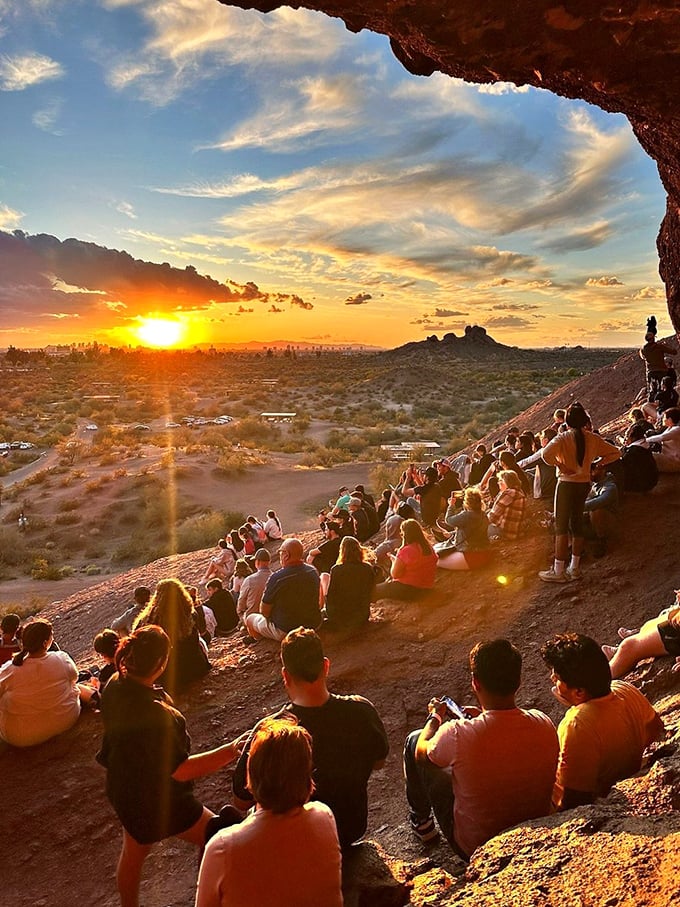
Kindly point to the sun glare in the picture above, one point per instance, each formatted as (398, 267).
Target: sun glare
(160, 332)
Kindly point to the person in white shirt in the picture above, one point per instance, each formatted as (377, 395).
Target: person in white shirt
(668, 460)
(254, 585)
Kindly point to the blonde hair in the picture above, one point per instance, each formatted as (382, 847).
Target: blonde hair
(472, 499)
(510, 478)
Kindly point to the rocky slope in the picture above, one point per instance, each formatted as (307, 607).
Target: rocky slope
(60, 838)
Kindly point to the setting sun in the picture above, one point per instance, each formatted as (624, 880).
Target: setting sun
(160, 332)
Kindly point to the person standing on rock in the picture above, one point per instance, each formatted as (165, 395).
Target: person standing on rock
(481, 770)
(654, 355)
(607, 726)
(573, 452)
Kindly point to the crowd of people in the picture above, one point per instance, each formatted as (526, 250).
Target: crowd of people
(300, 784)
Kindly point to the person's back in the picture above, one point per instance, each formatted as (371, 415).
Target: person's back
(348, 599)
(640, 471)
(349, 739)
(503, 772)
(607, 726)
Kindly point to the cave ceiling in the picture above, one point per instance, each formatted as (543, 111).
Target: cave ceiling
(623, 57)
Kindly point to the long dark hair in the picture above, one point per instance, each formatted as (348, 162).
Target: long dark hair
(34, 636)
(412, 533)
(577, 419)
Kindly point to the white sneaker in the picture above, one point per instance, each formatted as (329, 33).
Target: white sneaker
(573, 572)
(549, 576)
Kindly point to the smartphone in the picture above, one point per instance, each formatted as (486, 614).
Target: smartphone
(453, 708)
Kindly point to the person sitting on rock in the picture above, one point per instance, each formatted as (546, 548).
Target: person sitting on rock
(272, 526)
(668, 460)
(545, 475)
(427, 491)
(253, 586)
(221, 565)
(361, 527)
(348, 589)
(469, 545)
(123, 624)
(290, 598)
(657, 637)
(640, 472)
(326, 554)
(601, 506)
(481, 460)
(413, 566)
(481, 770)
(298, 838)
(349, 739)
(607, 726)
(653, 354)
(393, 534)
(221, 603)
(506, 515)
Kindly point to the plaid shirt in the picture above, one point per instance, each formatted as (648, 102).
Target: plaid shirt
(507, 512)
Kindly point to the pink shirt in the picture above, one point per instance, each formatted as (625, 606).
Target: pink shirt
(274, 860)
(503, 766)
(420, 568)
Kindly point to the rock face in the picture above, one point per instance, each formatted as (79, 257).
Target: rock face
(624, 57)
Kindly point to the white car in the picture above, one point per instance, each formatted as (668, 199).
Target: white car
(91, 427)
(26, 445)
(141, 427)
(172, 425)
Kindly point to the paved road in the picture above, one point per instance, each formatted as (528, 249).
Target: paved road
(46, 460)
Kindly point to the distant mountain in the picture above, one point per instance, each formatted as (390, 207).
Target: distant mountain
(284, 344)
(475, 343)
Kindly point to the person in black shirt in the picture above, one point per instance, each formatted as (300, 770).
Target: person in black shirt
(221, 603)
(348, 737)
(323, 557)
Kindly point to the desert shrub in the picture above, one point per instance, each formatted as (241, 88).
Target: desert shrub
(92, 570)
(203, 530)
(134, 550)
(66, 570)
(28, 609)
(236, 461)
(326, 456)
(93, 485)
(42, 569)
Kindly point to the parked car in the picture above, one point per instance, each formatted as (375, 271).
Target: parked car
(91, 427)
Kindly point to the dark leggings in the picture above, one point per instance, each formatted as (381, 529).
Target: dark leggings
(570, 498)
(399, 591)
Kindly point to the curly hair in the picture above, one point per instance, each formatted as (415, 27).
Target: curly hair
(170, 608)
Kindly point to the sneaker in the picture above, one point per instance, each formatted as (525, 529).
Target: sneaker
(573, 572)
(609, 651)
(425, 830)
(549, 576)
(624, 632)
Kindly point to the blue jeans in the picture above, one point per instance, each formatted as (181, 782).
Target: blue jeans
(428, 789)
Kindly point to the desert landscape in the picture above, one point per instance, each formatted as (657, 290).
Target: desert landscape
(620, 851)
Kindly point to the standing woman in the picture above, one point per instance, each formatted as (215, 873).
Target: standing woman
(39, 695)
(413, 566)
(172, 609)
(145, 751)
(572, 452)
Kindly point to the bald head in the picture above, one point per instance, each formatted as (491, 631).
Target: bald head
(291, 552)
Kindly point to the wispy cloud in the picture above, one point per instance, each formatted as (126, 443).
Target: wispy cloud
(358, 299)
(127, 209)
(22, 71)
(47, 117)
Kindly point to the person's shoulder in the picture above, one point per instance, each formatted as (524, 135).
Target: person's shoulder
(352, 703)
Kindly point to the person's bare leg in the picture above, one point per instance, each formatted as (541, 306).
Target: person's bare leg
(324, 583)
(454, 561)
(196, 834)
(645, 644)
(129, 871)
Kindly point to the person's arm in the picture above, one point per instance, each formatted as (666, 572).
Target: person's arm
(398, 566)
(211, 761)
(434, 721)
(530, 460)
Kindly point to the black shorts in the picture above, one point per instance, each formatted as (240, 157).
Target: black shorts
(670, 637)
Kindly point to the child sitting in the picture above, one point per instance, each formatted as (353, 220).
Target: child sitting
(105, 644)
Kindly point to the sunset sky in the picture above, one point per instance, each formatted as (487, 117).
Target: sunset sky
(329, 196)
